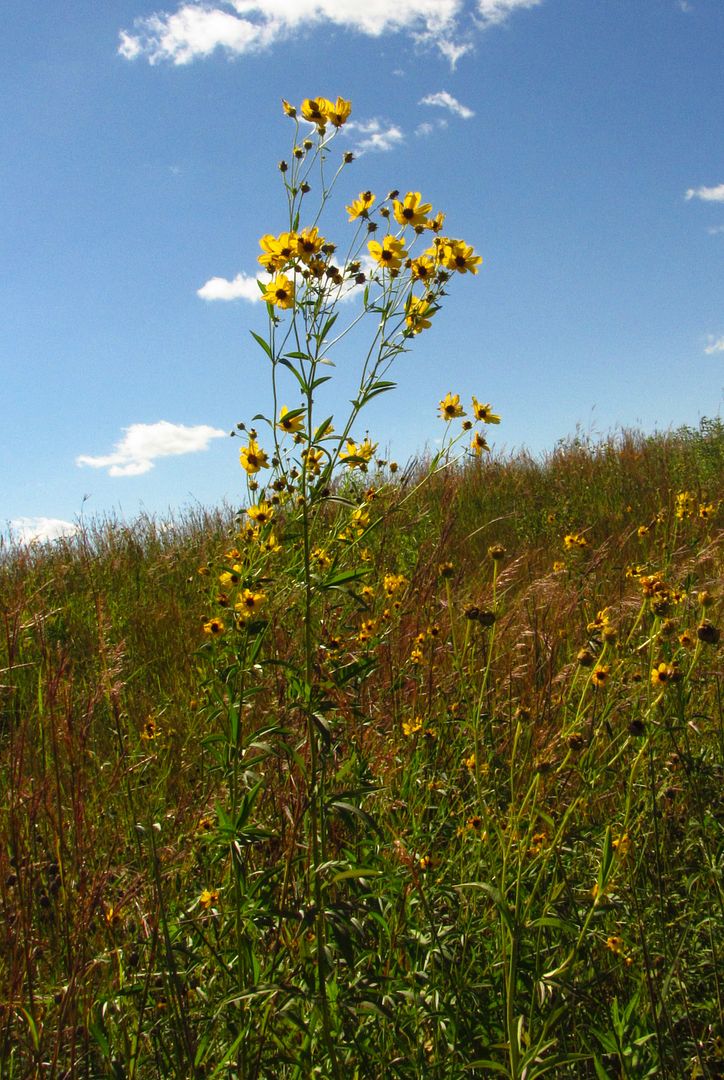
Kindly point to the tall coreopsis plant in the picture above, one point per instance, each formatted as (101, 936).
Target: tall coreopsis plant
(302, 549)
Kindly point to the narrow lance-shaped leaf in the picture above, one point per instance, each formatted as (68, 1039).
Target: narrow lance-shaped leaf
(260, 340)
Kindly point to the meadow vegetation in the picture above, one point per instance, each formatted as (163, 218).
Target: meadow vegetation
(394, 772)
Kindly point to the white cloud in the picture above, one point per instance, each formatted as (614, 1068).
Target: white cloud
(707, 194)
(715, 230)
(197, 28)
(494, 12)
(426, 128)
(444, 100)
(453, 50)
(374, 135)
(141, 444)
(33, 530)
(242, 287)
(716, 345)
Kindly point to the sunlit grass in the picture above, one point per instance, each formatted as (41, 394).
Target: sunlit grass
(516, 845)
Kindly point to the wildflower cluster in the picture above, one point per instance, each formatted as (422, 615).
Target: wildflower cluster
(290, 470)
(451, 408)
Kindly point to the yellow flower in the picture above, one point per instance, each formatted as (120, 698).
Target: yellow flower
(321, 558)
(277, 251)
(411, 211)
(230, 577)
(150, 730)
(599, 675)
(393, 582)
(213, 627)
(290, 422)
(336, 114)
(661, 675)
(361, 206)
(309, 242)
(615, 944)
(538, 843)
(422, 269)
(418, 314)
(411, 727)
(484, 413)
(450, 407)
(248, 604)
(478, 444)
(436, 223)
(622, 845)
(686, 504)
(360, 519)
(280, 292)
(366, 631)
(313, 460)
(358, 456)
(262, 513)
(314, 110)
(253, 458)
(208, 898)
(457, 255)
(112, 917)
(289, 109)
(389, 253)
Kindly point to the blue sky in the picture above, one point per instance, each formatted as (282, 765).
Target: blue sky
(577, 145)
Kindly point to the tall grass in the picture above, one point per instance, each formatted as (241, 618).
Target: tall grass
(520, 773)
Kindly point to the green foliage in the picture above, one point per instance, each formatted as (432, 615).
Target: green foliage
(159, 926)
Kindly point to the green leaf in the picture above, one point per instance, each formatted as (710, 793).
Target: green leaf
(260, 341)
(323, 427)
(348, 809)
(327, 327)
(95, 1029)
(373, 391)
(356, 872)
(485, 1063)
(297, 374)
(496, 896)
(319, 380)
(344, 578)
(358, 669)
(600, 1071)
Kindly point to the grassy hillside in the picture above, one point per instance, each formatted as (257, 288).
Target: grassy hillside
(452, 810)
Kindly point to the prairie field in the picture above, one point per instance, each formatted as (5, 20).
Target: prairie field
(429, 787)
